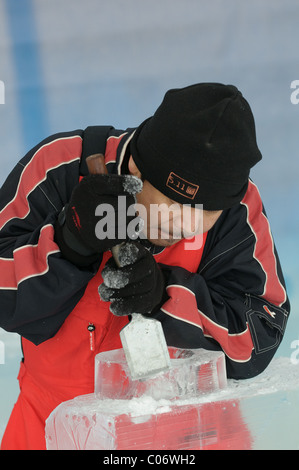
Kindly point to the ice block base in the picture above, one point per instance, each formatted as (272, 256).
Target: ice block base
(87, 423)
(243, 415)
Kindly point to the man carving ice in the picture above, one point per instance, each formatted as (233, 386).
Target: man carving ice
(227, 294)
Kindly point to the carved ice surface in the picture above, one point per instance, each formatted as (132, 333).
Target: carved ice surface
(259, 413)
(192, 372)
(139, 414)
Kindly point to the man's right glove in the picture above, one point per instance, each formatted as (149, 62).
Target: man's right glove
(137, 285)
(96, 219)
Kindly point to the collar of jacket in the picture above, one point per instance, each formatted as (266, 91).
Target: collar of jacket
(117, 151)
(113, 143)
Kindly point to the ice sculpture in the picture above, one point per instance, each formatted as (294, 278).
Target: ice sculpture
(192, 372)
(193, 407)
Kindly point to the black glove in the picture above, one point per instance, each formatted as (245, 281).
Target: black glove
(80, 233)
(137, 286)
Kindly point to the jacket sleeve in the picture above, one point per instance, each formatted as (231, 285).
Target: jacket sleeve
(38, 287)
(237, 302)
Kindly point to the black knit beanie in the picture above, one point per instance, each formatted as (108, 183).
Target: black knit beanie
(199, 146)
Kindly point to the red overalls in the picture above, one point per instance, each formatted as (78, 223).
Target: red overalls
(63, 367)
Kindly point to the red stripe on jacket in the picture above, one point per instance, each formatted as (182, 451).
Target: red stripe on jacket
(28, 260)
(183, 306)
(48, 157)
(111, 148)
(32, 260)
(274, 291)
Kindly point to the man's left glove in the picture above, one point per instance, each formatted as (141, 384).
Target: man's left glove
(137, 286)
(75, 230)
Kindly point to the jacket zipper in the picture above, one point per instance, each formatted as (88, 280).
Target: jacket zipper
(91, 328)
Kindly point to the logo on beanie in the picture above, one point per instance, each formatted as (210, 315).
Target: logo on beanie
(181, 186)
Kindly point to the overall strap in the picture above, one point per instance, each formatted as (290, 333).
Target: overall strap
(94, 141)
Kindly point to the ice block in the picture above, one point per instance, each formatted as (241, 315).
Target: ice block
(192, 372)
(87, 423)
(259, 413)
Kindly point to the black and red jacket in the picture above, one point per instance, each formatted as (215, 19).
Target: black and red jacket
(236, 300)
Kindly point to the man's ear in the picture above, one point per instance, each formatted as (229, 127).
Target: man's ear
(133, 168)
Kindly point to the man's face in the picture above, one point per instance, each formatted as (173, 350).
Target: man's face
(167, 222)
